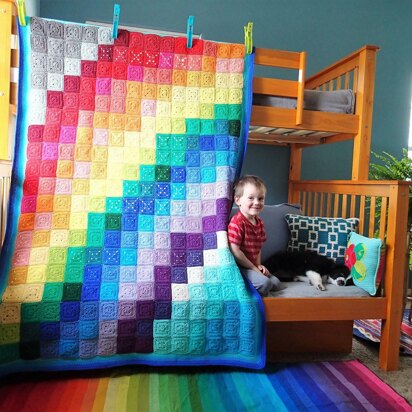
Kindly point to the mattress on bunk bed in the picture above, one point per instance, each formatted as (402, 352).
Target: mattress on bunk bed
(336, 101)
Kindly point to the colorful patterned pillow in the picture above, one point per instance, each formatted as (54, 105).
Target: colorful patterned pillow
(324, 235)
(365, 258)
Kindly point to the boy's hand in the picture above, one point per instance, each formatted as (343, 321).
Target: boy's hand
(264, 270)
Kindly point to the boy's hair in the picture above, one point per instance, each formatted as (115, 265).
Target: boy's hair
(247, 179)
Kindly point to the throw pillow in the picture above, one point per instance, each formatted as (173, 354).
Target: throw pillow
(324, 235)
(365, 258)
(277, 231)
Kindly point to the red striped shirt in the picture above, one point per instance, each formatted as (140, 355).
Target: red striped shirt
(247, 236)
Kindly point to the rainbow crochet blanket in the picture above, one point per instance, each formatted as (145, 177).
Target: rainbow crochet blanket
(116, 248)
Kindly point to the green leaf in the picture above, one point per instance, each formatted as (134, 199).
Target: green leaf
(360, 250)
(359, 271)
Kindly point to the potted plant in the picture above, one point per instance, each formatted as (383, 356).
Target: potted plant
(392, 168)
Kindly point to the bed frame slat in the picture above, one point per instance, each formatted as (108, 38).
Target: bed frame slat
(362, 212)
(275, 87)
(336, 206)
(277, 58)
(372, 216)
(344, 206)
(312, 120)
(383, 217)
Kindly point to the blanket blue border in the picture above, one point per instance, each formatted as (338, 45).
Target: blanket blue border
(247, 108)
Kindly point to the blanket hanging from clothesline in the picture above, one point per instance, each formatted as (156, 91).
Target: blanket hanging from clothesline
(116, 249)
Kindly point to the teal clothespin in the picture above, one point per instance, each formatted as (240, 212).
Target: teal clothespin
(21, 11)
(190, 22)
(116, 16)
(249, 37)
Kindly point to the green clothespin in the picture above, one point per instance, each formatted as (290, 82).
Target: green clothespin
(21, 11)
(249, 37)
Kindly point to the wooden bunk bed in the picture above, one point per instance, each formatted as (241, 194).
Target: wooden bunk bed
(325, 324)
(304, 324)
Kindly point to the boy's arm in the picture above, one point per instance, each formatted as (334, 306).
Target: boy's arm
(241, 258)
(261, 268)
(259, 258)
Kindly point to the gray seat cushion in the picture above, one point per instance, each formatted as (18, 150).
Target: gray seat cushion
(277, 239)
(304, 290)
(277, 229)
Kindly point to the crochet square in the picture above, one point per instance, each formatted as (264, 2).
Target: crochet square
(179, 275)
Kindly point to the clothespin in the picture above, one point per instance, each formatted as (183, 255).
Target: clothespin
(21, 11)
(116, 16)
(190, 22)
(249, 37)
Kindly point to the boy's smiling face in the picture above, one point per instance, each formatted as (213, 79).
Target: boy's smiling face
(252, 201)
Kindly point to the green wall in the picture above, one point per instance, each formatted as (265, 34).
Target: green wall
(326, 29)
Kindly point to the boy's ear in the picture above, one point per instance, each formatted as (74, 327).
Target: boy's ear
(236, 199)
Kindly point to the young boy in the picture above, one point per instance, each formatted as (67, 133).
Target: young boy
(246, 233)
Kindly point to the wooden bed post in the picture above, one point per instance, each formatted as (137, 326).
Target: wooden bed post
(394, 284)
(301, 88)
(8, 98)
(295, 166)
(364, 107)
(6, 9)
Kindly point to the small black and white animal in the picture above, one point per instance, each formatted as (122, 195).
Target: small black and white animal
(308, 266)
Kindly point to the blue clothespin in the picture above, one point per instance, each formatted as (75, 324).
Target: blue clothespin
(21, 11)
(190, 22)
(116, 16)
(249, 37)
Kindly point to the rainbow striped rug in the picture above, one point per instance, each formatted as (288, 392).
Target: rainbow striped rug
(116, 249)
(323, 386)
